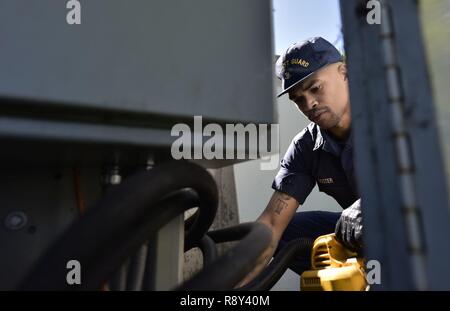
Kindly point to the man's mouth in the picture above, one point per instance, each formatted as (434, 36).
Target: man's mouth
(315, 116)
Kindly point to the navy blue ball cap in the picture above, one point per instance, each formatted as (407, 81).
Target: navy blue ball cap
(303, 59)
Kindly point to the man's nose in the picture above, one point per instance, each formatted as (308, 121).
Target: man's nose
(311, 102)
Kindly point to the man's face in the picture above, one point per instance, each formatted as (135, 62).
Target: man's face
(324, 96)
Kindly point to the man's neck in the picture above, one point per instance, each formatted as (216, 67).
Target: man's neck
(340, 134)
(342, 130)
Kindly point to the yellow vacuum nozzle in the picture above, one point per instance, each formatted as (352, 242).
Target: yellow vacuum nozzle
(334, 268)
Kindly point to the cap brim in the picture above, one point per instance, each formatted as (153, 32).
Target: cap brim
(296, 83)
(306, 77)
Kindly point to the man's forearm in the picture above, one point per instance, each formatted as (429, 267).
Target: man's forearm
(261, 263)
(276, 216)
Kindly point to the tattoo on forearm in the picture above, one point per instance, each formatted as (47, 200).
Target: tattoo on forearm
(280, 205)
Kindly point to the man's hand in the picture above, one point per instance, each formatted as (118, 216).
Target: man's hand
(349, 227)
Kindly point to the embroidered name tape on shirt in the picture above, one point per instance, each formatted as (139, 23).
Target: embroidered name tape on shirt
(325, 180)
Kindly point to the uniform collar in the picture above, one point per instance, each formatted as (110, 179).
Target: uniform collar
(327, 142)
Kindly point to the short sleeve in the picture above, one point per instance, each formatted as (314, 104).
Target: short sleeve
(294, 177)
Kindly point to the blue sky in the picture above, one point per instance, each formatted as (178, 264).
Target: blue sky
(296, 20)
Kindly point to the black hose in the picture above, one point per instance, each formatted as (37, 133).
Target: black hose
(136, 269)
(275, 270)
(122, 221)
(209, 250)
(170, 207)
(236, 263)
(229, 234)
(149, 281)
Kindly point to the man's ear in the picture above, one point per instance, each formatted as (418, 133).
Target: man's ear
(342, 69)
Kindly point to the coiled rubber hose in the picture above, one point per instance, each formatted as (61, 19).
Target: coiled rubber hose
(127, 216)
(225, 272)
(280, 263)
(277, 267)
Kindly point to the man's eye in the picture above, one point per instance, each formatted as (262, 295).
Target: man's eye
(316, 88)
(300, 102)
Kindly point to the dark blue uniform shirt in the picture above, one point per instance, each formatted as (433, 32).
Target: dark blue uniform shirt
(314, 156)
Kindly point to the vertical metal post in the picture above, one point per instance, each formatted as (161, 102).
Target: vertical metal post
(430, 183)
(165, 254)
(397, 154)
